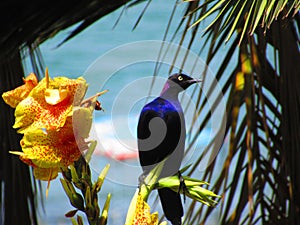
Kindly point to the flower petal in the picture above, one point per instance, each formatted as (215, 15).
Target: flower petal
(82, 122)
(45, 174)
(55, 96)
(14, 97)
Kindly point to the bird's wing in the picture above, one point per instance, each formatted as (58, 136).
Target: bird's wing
(158, 134)
(143, 130)
(147, 136)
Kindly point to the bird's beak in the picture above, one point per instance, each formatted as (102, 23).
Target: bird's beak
(195, 81)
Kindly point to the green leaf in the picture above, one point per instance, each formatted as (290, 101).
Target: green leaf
(185, 168)
(104, 215)
(88, 197)
(260, 8)
(74, 175)
(280, 5)
(229, 18)
(237, 19)
(68, 187)
(74, 222)
(220, 15)
(97, 186)
(212, 10)
(245, 26)
(267, 22)
(77, 201)
(90, 151)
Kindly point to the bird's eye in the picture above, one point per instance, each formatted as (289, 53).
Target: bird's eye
(180, 78)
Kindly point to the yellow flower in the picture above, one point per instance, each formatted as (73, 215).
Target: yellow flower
(54, 124)
(139, 212)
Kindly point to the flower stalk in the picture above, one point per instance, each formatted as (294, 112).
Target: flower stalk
(78, 177)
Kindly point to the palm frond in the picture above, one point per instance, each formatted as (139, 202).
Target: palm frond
(247, 15)
(26, 23)
(17, 186)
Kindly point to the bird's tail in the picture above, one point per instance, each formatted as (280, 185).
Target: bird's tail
(171, 204)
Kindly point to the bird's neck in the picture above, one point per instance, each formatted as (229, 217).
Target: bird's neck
(169, 93)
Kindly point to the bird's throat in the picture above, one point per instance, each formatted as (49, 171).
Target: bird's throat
(169, 93)
(165, 88)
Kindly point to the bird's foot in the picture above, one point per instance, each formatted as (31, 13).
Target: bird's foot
(182, 186)
(142, 179)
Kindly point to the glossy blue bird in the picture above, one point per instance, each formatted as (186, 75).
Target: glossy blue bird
(161, 135)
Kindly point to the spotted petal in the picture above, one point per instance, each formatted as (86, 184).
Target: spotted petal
(14, 97)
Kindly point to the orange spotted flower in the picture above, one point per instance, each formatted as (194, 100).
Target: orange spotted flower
(54, 124)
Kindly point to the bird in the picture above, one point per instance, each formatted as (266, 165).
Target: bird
(161, 136)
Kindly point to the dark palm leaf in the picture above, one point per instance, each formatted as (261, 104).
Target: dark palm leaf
(17, 189)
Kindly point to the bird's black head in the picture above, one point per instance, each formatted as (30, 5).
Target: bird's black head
(179, 82)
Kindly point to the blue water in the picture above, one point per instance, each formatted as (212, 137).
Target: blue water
(128, 91)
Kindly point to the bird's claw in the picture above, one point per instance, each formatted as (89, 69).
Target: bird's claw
(182, 186)
(142, 179)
